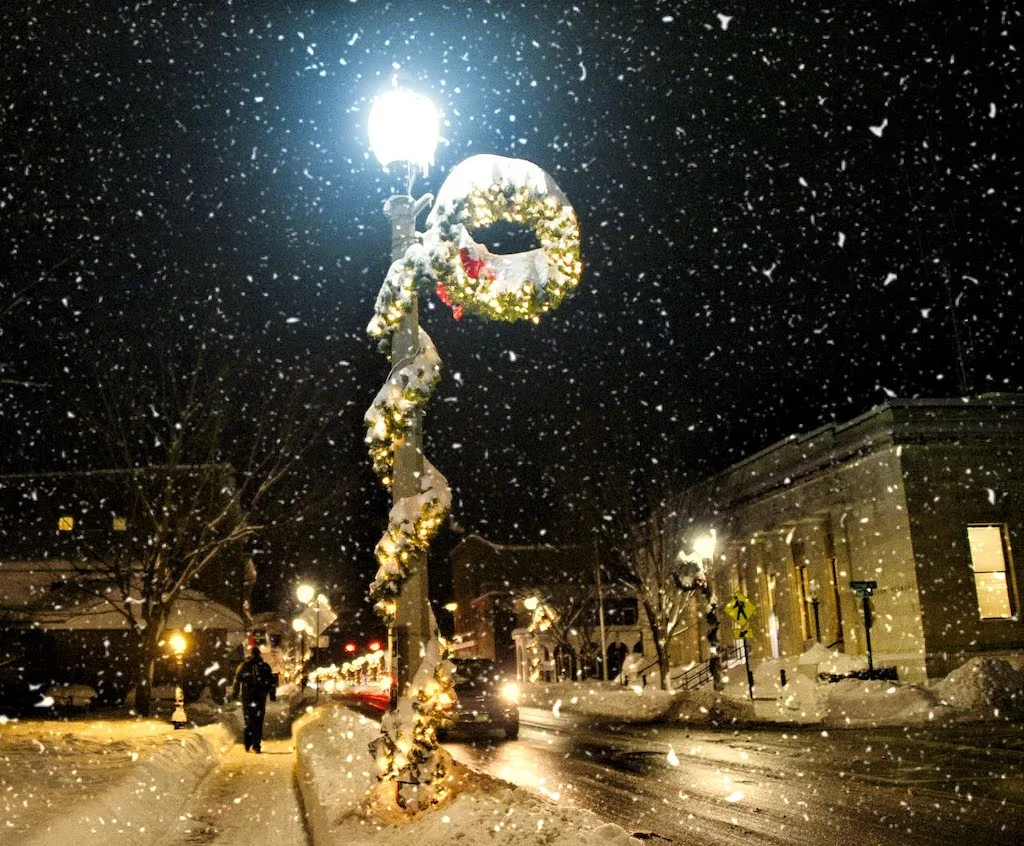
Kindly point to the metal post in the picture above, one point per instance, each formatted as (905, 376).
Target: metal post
(746, 663)
(413, 613)
(316, 650)
(817, 620)
(600, 615)
(867, 629)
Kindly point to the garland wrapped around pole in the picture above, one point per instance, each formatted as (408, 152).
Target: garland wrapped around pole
(469, 279)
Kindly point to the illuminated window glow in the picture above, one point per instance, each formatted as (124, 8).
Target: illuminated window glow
(989, 556)
(65, 523)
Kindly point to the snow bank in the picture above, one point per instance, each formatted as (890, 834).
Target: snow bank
(853, 702)
(335, 773)
(985, 687)
(142, 801)
(601, 700)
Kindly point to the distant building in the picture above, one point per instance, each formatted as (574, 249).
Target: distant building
(62, 611)
(493, 588)
(924, 498)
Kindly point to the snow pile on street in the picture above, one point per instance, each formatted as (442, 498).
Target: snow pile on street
(601, 700)
(336, 775)
(984, 686)
(855, 702)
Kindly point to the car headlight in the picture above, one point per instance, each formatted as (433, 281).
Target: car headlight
(510, 692)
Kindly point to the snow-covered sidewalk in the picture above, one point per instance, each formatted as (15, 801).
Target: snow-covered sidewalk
(248, 798)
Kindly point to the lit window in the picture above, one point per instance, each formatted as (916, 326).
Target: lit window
(120, 524)
(991, 579)
(65, 523)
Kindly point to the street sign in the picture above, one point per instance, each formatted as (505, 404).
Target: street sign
(740, 634)
(740, 609)
(863, 588)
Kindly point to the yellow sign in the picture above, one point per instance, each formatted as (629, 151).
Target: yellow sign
(740, 634)
(740, 609)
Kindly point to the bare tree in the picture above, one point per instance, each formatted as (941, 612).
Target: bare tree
(564, 610)
(650, 555)
(196, 477)
(640, 542)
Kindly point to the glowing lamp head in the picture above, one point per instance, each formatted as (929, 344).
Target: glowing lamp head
(177, 643)
(704, 546)
(299, 625)
(305, 593)
(531, 603)
(404, 126)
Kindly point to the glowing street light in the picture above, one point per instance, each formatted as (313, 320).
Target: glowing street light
(308, 596)
(178, 644)
(704, 546)
(468, 278)
(404, 126)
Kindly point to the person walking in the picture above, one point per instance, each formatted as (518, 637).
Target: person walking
(254, 681)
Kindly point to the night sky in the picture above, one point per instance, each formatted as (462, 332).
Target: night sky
(790, 212)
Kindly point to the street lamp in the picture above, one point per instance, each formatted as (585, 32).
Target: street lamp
(307, 595)
(467, 277)
(299, 627)
(704, 546)
(178, 644)
(404, 126)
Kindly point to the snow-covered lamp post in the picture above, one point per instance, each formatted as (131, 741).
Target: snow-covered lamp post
(404, 127)
(482, 190)
(178, 644)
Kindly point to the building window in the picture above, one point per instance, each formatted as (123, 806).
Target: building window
(119, 524)
(65, 523)
(620, 611)
(989, 560)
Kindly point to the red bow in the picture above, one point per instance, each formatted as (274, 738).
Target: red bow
(443, 296)
(475, 268)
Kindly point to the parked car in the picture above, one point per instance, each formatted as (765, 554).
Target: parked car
(487, 701)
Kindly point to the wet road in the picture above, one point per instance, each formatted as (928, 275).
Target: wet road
(777, 785)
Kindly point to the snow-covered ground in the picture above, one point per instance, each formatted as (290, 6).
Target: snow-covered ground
(132, 781)
(982, 689)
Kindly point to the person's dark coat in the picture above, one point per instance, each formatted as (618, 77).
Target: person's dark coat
(254, 682)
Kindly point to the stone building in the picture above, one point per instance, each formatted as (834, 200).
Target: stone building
(925, 498)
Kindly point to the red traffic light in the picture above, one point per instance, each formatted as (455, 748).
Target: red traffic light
(374, 646)
(350, 647)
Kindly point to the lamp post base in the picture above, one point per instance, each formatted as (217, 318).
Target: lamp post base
(179, 718)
